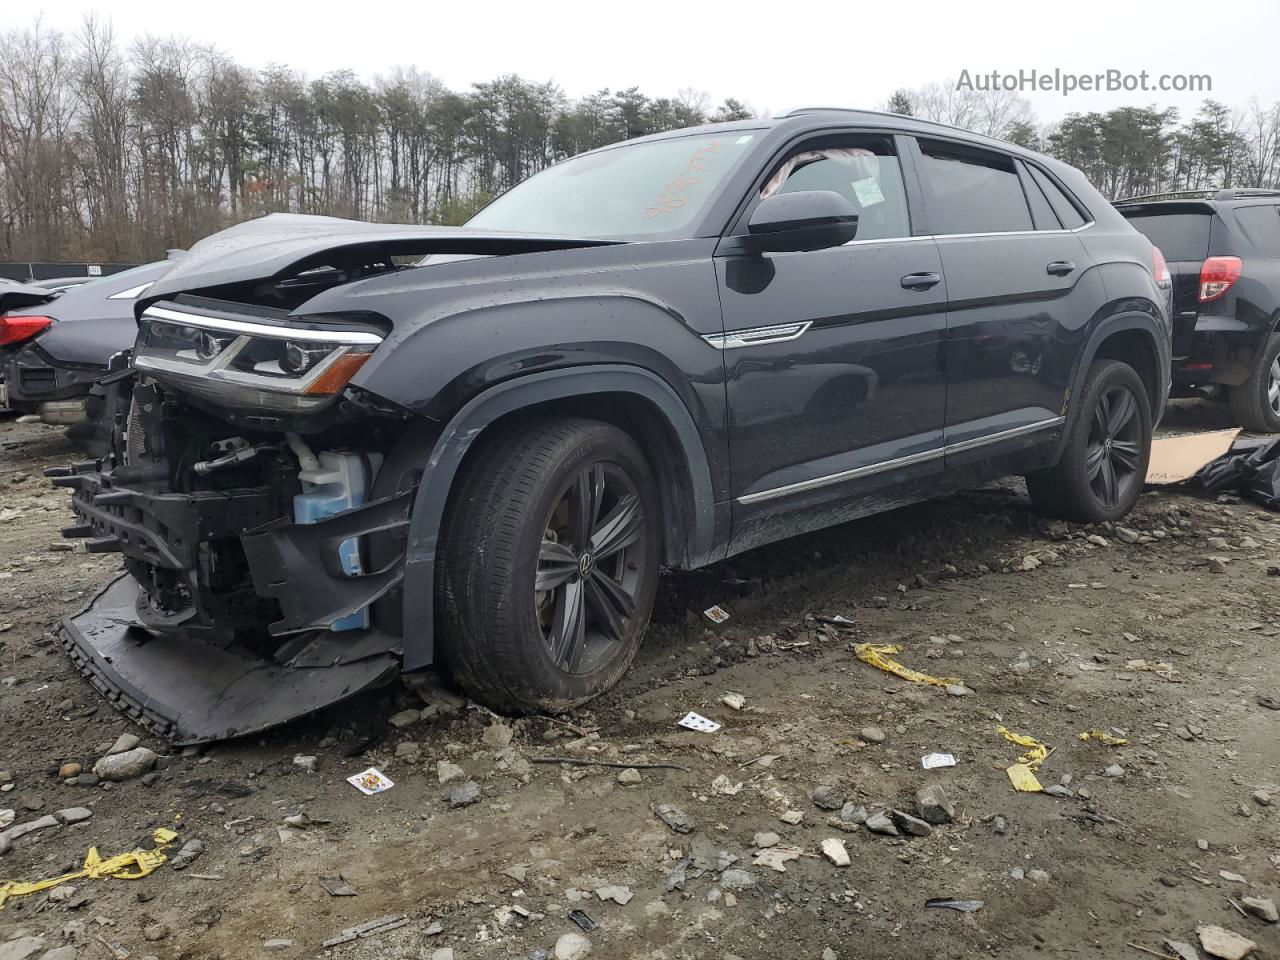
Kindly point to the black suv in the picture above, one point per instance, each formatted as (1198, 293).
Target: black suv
(660, 353)
(1223, 249)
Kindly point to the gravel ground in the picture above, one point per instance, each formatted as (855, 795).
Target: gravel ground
(1161, 633)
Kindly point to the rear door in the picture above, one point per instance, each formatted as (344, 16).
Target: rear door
(1182, 232)
(1019, 291)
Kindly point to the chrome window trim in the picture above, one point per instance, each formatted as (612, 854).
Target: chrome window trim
(898, 462)
(249, 328)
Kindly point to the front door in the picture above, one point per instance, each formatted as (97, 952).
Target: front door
(834, 358)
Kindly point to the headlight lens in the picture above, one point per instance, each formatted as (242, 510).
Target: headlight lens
(299, 357)
(251, 363)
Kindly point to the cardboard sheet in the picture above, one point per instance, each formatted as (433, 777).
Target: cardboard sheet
(1174, 459)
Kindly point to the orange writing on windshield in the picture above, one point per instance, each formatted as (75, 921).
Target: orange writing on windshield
(672, 196)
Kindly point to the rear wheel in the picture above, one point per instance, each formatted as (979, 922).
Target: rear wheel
(1255, 404)
(550, 564)
(1104, 465)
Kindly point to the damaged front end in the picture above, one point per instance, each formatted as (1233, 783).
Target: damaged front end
(261, 507)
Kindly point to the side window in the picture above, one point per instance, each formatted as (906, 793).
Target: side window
(1065, 209)
(973, 191)
(1041, 209)
(1262, 224)
(865, 171)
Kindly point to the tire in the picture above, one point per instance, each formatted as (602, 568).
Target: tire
(514, 525)
(1255, 404)
(1104, 464)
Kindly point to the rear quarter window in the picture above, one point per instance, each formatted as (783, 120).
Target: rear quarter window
(1180, 236)
(1261, 224)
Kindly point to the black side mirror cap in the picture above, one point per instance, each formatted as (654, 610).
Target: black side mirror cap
(804, 220)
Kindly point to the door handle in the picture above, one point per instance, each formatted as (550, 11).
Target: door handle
(920, 281)
(1060, 268)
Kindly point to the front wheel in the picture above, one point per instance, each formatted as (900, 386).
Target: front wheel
(550, 564)
(1255, 404)
(1104, 464)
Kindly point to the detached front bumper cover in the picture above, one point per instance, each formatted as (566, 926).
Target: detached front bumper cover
(189, 685)
(189, 691)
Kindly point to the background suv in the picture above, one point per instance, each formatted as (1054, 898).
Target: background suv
(1223, 249)
(663, 352)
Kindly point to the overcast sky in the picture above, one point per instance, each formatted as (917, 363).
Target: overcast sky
(773, 56)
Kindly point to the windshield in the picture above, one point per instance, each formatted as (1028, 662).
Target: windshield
(640, 189)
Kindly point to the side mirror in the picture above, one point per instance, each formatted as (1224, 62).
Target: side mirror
(804, 220)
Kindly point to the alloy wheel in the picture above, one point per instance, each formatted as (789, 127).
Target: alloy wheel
(1114, 451)
(590, 564)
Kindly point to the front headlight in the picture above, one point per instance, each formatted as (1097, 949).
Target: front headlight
(289, 367)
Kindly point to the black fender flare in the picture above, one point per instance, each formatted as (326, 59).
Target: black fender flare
(1104, 328)
(703, 537)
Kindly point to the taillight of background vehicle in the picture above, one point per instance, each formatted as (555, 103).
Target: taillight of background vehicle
(1217, 274)
(15, 329)
(1160, 268)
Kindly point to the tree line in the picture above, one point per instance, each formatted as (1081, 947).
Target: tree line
(116, 152)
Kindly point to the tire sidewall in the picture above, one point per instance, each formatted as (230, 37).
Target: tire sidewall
(1113, 374)
(546, 681)
(1260, 381)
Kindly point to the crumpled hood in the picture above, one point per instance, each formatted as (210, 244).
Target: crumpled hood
(15, 296)
(269, 246)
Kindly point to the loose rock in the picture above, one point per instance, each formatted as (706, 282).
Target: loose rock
(1226, 944)
(871, 735)
(675, 818)
(908, 824)
(23, 948)
(828, 797)
(125, 766)
(464, 795)
(880, 823)
(446, 771)
(124, 743)
(405, 718)
(1264, 908)
(572, 946)
(629, 777)
(619, 894)
(497, 736)
(933, 806)
(833, 849)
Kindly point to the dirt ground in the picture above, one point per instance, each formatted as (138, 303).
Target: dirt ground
(1041, 624)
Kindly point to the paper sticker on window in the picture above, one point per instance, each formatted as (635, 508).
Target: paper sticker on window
(868, 191)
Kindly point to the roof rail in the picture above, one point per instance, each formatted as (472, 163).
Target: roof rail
(1167, 195)
(1230, 193)
(1239, 193)
(800, 111)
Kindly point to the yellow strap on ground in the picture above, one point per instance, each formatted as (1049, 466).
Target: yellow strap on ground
(133, 865)
(878, 655)
(1103, 737)
(1023, 773)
